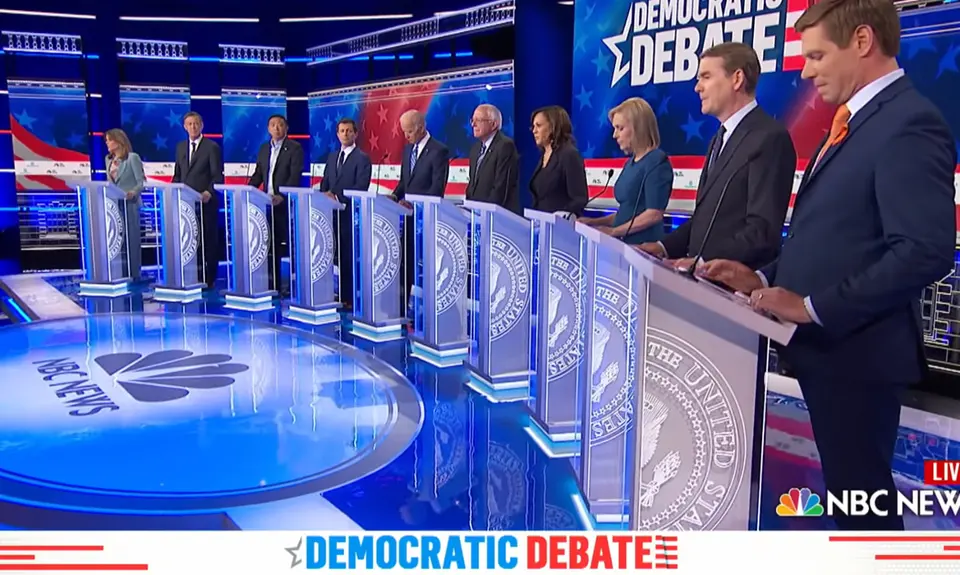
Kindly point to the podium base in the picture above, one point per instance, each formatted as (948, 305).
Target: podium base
(243, 302)
(500, 389)
(553, 445)
(450, 355)
(98, 289)
(314, 316)
(377, 333)
(184, 294)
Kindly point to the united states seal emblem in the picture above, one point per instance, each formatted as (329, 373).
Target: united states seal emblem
(386, 254)
(259, 238)
(189, 232)
(509, 285)
(691, 463)
(321, 245)
(451, 254)
(564, 315)
(613, 370)
(506, 492)
(114, 229)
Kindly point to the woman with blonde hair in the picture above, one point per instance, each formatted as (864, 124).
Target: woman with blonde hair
(125, 170)
(644, 185)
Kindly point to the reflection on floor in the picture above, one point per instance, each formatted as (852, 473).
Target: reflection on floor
(257, 443)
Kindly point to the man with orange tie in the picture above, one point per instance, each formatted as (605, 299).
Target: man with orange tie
(873, 224)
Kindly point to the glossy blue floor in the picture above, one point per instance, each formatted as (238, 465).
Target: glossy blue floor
(133, 414)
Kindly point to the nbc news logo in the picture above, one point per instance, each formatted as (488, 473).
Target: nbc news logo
(169, 375)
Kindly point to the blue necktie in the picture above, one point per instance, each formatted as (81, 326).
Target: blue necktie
(413, 158)
(483, 152)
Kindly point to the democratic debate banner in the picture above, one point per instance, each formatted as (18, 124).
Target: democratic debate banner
(48, 122)
(246, 113)
(447, 100)
(152, 117)
(650, 49)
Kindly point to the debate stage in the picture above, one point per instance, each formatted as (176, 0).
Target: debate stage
(128, 413)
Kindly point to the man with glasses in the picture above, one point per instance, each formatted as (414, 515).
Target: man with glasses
(494, 161)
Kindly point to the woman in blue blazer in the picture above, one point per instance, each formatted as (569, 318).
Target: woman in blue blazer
(125, 170)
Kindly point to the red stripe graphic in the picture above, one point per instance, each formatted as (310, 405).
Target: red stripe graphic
(917, 557)
(71, 567)
(51, 547)
(894, 539)
(17, 557)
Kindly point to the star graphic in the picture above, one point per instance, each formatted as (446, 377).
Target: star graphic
(373, 142)
(917, 45)
(622, 65)
(327, 123)
(588, 151)
(74, 140)
(125, 117)
(25, 120)
(317, 140)
(692, 128)
(602, 62)
(382, 114)
(603, 119)
(663, 108)
(395, 132)
(581, 44)
(588, 12)
(173, 118)
(295, 553)
(160, 142)
(948, 63)
(584, 97)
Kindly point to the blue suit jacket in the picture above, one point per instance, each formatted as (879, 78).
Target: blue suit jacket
(354, 174)
(873, 224)
(429, 176)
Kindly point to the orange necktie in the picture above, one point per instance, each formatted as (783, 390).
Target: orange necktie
(838, 131)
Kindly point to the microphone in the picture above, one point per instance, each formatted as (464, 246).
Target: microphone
(716, 210)
(609, 177)
(379, 164)
(636, 205)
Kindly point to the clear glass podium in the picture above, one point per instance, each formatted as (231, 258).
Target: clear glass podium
(250, 247)
(311, 256)
(104, 244)
(179, 227)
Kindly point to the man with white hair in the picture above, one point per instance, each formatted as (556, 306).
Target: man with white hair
(425, 163)
(494, 161)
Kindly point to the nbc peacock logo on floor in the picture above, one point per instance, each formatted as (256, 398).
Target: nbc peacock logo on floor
(170, 374)
(799, 503)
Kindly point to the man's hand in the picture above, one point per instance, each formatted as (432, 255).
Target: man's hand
(782, 303)
(734, 274)
(652, 248)
(131, 195)
(681, 263)
(605, 229)
(277, 199)
(406, 204)
(205, 196)
(332, 196)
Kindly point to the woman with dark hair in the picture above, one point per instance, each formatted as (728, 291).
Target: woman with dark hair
(125, 170)
(559, 184)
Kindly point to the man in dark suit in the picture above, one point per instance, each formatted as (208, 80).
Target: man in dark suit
(873, 224)
(279, 163)
(752, 154)
(494, 162)
(424, 169)
(199, 164)
(347, 168)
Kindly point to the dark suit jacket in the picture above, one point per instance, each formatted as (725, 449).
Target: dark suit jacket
(562, 184)
(495, 181)
(204, 171)
(873, 224)
(353, 175)
(749, 224)
(287, 170)
(429, 177)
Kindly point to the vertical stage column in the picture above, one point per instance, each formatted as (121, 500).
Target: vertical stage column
(179, 225)
(439, 332)
(311, 256)
(560, 372)
(103, 240)
(249, 247)
(501, 255)
(378, 221)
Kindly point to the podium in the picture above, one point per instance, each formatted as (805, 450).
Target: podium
(179, 225)
(502, 287)
(378, 250)
(672, 426)
(249, 247)
(558, 333)
(439, 332)
(311, 256)
(103, 239)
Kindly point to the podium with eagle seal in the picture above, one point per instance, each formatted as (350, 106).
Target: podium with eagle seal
(439, 334)
(673, 418)
(249, 247)
(500, 319)
(179, 221)
(103, 239)
(312, 247)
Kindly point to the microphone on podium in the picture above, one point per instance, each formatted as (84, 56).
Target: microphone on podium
(379, 164)
(605, 185)
(716, 210)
